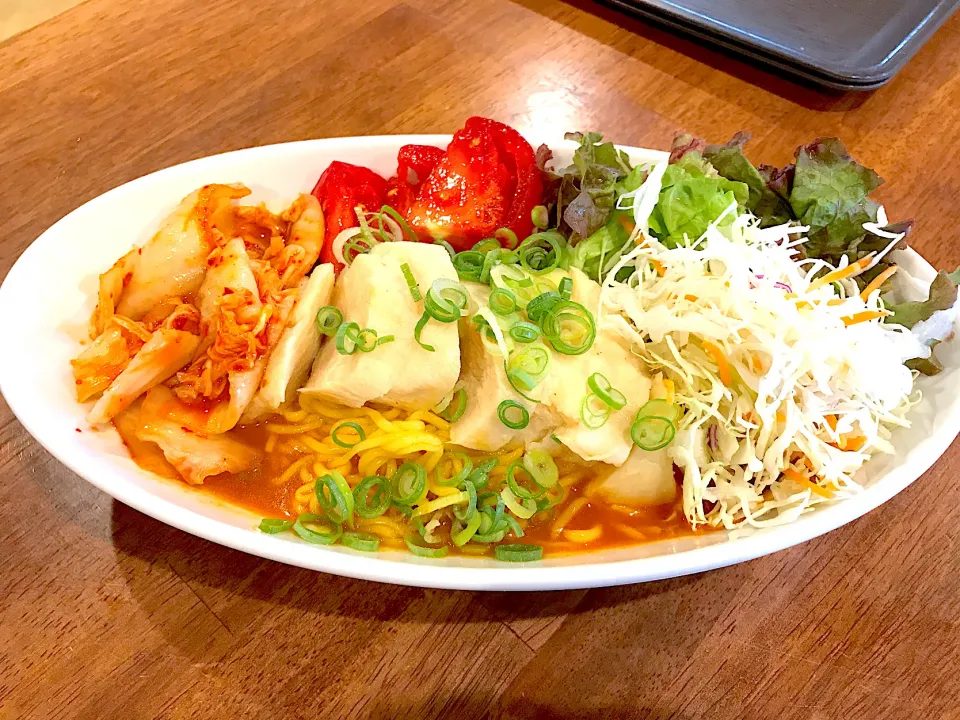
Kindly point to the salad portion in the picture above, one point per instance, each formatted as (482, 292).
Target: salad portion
(495, 353)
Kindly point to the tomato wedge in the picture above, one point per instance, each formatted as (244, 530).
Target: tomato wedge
(486, 180)
(341, 189)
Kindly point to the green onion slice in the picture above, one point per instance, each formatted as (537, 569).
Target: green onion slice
(373, 505)
(334, 496)
(421, 550)
(566, 288)
(469, 265)
(652, 432)
(569, 327)
(365, 542)
(348, 334)
(383, 340)
(412, 285)
(513, 526)
(540, 217)
(594, 413)
(408, 483)
(541, 305)
(418, 331)
(272, 526)
(605, 391)
(541, 467)
(461, 476)
(446, 246)
(457, 407)
(660, 408)
(335, 435)
(507, 236)
(445, 300)
(465, 513)
(329, 320)
(328, 536)
(542, 252)
(514, 482)
(367, 340)
(524, 332)
(518, 552)
(522, 510)
(405, 229)
(522, 382)
(486, 245)
(463, 535)
(513, 414)
(503, 302)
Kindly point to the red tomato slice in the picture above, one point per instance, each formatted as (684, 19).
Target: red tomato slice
(341, 189)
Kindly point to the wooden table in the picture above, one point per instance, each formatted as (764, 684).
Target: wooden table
(105, 613)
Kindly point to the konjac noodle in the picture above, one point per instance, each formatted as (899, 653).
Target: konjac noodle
(488, 355)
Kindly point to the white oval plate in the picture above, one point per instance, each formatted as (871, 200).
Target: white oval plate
(47, 297)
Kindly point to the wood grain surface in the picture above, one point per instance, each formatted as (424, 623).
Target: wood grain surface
(105, 613)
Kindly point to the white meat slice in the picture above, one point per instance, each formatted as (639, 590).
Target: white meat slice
(646, 478)
(484, 380)
(290, 361)
(373, 293)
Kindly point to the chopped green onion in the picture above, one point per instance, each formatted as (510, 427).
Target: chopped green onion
(555, 438)
(513, 482)
(367, 340)
(445, 300)
(542, 304)
(365, 542)
(461, 476)
(334, 496)
(329, 320)
(524, 332)
(370, 508)
(469, 265)
(471, 509)
(335, 435)
(506, 236)
(494, 258)
(446, 246)
(521, 382)
(513, 414)
(566, 288)
(328, 536)
(272, 526)
(542, 252)
(594, 413)
(569, 327)
(554, 496)
(502, 301)
(486, 245)
(408, 483)
(660, 408)
(405, 228)
(605, 391)
(541, 467)
(417, 548)
(462, 537)
(412, 285)
(540, 217)
(518, 552)
(523, 510)
(348, 334)
(458, 405)
(418, 330)
(652, 432)
(533, 359)
(385, 339)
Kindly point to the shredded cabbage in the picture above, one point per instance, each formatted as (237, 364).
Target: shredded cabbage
(815, 380)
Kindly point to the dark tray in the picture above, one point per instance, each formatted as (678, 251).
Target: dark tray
(843, 44)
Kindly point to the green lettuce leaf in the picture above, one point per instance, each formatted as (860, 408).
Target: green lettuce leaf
(829, 194)
(597, 255)
(763, 201)
(597, 169)
(942, 296)
(692, 196)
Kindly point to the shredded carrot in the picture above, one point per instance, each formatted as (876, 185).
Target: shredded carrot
(802, 479)
(852, 443)
(877, 282)
(831, 421)
(691, 298)
(781, 416)
(836, 301)
(851, 270)
(668, 386)
(658, 266)
(723, 367)
(865, 316)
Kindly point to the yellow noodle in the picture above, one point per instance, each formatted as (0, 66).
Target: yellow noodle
(270, 444)
(565, 516)
(289, 472)
(584, 536)
(631, 532)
